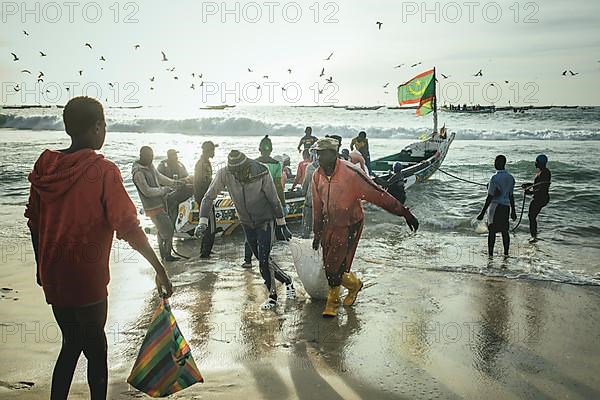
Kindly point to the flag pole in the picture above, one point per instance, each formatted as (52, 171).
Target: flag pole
(435, 121)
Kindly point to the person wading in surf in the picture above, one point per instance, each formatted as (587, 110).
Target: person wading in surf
(540, 189)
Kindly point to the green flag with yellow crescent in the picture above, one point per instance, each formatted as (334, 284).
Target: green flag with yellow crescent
(419, 90)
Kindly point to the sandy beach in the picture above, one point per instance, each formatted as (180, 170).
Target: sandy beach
(412, 334)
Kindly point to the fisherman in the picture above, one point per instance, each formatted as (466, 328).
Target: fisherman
(500, 201)
(172, 167)
(275, 168)
(307, 192)
(361, 143)
(203, 174)
(354, 157)
(393, 183)
(153, 188)
(253, 193)
(540, 190)
(72, 219)
(307, 140)
(338, 218)
(301, 170)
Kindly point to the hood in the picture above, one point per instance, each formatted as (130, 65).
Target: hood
(54, 173)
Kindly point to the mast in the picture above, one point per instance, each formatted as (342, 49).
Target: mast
(435, 120)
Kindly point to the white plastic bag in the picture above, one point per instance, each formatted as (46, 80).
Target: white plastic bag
(309, 265)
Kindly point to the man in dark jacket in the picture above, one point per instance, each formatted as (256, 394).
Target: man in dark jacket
(202, 178)
(253, 193)
(540, 190)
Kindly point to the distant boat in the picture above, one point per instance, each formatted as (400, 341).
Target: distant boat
(470, 109)
(219, 107)
(372, 108)
(24, 106)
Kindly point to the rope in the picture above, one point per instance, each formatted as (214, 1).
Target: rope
(522, 209)
(461, 179)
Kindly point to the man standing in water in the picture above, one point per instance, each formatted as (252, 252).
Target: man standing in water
(500, 201)
(203, 174)
(307, 140)
(76, 204)
(153, 188)
(253, 193)
(338, 188)
(540, 190)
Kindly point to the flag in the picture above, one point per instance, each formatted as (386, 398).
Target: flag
(419, 90)
(164, 364)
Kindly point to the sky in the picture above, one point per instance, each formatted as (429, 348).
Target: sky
(522, 49)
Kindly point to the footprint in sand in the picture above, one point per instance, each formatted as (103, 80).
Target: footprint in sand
(17, 385)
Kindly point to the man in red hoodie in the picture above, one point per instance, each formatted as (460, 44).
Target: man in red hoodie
(76, 203)
(338, 218)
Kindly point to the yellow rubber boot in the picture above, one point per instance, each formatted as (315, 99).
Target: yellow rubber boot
(354, 285)
(333, 302)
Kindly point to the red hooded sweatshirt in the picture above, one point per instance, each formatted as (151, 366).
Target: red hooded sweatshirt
(76, 203)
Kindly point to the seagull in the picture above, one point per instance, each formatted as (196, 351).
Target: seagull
(505, 81)
(479, 73)
(67, 88)
(249, 70)
(320, 91)
(386, 85)
(379, 24)
(399, 65)
(176, 77)
(329, 80)
(445, 76)
(491, 84)
(80, 72)
(16, 88)
(564, 72)
(322, 72)
(289, 70)
(193, 74)
(386, 92)
(102, 58)
(164, 56)
(171, 69)
(15, 58)
(193, 87)
(42, 54)
(200, 76)
(26, 71)
(26, 34)
(111, 85)
(152, 79)
(329, 58)
(265, 76)
(88, 45)
(40, 75)
(573, 73)
(283, 89)
(40, 80)
(47, 91)
(201, 84)
(151, 88)
(258, 87)
(137, 46)
(414, 65)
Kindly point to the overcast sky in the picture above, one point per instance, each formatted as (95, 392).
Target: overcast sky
(528, 44)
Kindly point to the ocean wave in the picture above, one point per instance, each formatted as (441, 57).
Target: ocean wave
(244, 126)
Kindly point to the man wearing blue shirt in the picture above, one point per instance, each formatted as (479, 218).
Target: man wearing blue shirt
(500, 201)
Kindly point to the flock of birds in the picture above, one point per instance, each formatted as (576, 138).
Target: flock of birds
(199, 76)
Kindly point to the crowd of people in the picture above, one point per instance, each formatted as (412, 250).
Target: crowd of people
(78, 181)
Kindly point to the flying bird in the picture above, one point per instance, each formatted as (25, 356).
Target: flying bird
(265, 76)
(329, 80)
(16, 88)
(40, 80)
(152, 79)
(40, 75)
(573, 73)
(201, 84)
(176, 77)
(88, 45)
(26, 33)
(322, 72)
(249, 70)
(42, 54)
(258, 87)
(171, 69)
(320, 91)
(479, 73)
(445, 76)
(283, 89)
(379, 24)
(111, 85)
(80, 72)
(151, 88)
(102, 58)
(564, 72)
(289, 70)
(386, 92)
(193, 87)
(399, 65)
(200, 76)
(386, 85)
(329, 58)
(15, 58)
(164, 56)
(137, 46)
(26, 71)
(414, 65)
(505, 81)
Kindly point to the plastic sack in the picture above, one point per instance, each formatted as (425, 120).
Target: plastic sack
(164, 364)
(309, 265)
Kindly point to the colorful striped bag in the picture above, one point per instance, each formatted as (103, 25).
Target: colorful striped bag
(164, 364)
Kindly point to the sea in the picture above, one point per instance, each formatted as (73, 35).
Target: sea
(569, 246)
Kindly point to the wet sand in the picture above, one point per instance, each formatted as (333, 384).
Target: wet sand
(414, 334)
